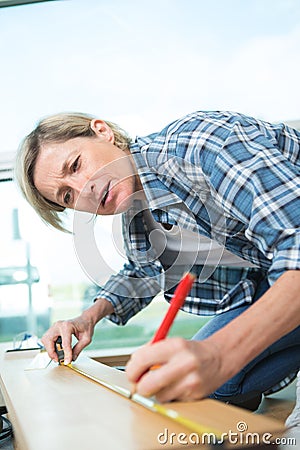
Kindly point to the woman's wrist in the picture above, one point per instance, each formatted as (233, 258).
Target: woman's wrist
(100, 308)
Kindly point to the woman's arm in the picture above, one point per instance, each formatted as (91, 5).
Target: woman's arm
(191, 370)
(123, 296)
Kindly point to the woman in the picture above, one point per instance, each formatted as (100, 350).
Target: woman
(210, 175)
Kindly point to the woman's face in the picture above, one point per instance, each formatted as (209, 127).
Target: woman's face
(87, 174)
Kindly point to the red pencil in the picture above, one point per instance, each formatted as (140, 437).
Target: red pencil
(177, 301)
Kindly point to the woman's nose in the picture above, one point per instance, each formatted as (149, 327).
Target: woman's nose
(82, 186)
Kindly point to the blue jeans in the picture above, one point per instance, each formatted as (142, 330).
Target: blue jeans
(275, 363)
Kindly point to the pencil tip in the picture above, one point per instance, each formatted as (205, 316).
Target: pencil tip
(132, 391)
(191, 275)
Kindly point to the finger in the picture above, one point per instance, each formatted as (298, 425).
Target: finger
(150, 384)
(152, 355)
(186, 389)
(178, 378)
(161, 381)
(48, 343)
(170, 393)
(143, 359)
(66, 337)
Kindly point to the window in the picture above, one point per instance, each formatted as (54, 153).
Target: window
(41, 281)
(24, 290)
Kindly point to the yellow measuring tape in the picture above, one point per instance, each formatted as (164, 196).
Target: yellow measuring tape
(151, 405)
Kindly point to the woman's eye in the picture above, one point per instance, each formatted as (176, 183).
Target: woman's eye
(75, 164)
(67, 198)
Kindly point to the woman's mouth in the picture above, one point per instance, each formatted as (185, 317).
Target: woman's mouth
(105, 195)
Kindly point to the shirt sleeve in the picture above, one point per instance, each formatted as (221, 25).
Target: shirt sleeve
(256, 183)
(129, 291)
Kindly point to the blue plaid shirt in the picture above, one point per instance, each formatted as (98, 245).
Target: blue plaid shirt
(227, 176)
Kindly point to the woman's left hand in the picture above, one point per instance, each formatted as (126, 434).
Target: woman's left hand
(188, 370)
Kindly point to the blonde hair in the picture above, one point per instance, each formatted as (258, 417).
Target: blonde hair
(55, 128)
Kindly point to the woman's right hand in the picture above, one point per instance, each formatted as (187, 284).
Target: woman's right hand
(82, 327)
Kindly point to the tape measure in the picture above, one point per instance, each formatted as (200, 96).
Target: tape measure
(150, 404)
(59, 350)
(147, 403)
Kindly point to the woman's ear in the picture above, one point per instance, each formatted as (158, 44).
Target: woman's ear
(102, 130)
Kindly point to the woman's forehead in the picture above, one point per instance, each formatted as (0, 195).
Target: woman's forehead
(50, 163)
(59, 146)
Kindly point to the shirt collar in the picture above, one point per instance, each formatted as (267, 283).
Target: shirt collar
(158, 196)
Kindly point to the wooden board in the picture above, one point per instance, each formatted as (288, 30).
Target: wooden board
(57, 408)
